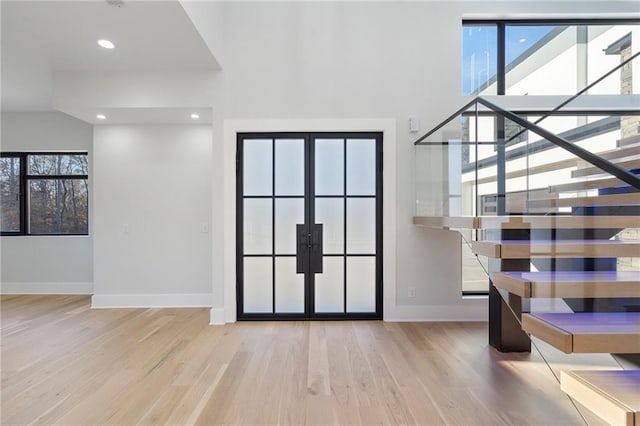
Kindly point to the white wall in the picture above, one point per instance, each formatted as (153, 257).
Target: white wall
(47, 264)
(327, 61)
(357, 60)
(120, 95)
(152, 186)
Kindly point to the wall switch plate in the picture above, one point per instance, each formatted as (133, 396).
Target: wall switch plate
(204, 228)
(125, 228)
(414, 124)
(411, 292)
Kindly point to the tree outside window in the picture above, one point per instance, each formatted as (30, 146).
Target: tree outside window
(56, 189)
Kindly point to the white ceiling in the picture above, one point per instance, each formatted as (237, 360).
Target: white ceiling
(40, 38)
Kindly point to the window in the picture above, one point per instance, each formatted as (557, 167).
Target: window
(479, 60)
(44, 193)
(10, 177)
(546, 57)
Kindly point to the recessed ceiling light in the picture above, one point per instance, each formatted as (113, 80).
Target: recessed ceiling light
(106, 44)
(101, 116)
(195, 116)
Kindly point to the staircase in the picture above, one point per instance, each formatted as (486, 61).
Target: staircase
(563, 254)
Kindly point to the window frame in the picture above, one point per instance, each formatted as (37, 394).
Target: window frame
(501, 71)
(22, 200)
(501, 27)
(24, 180)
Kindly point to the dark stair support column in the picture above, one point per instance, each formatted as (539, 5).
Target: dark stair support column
(505, 316)
(505, 330)
(628, 361)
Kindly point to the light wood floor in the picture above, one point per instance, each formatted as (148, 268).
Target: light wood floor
(63, 363)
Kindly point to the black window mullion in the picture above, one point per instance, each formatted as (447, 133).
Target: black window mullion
(502, 59)
(239, 227)
(552, 21)
(273, 226)
(344, 194)
(379, 248)
(56, 177)
(24, 204)
(309, 188)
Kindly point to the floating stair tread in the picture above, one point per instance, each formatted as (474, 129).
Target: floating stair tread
(629, 140)
(547, 167)
(446, 222)
(613, 154)
(557, 222)
(592, 171)
(599, 332)
(588, 184)
(621, 152)
(527, 222)
(628, 199)
(613, 395)
(524, 249)
(579, 284)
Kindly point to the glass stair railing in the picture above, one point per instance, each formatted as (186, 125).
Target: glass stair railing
(548, 206)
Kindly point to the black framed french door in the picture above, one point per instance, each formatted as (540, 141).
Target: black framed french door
(309, 226)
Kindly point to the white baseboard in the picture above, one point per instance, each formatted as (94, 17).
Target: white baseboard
(47, 288)
(477, 310)
(193, 300)
(217, 316)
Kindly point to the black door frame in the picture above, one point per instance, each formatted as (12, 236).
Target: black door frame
(309, 207)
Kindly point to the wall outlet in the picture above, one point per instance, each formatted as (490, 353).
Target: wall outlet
(411, 292)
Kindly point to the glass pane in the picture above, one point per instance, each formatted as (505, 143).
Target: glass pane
(10, 194)
(479, 59)
(330, 213)
(257, 226)
(361, 284)
(289, 166)
(361, 225)
(329, 179)
(257, 167)
(289, 212)
(58, 164)
(562, 60)
(361, 167)
(329, 286)
(607, 47)
(58, 206)
(541, 60)
(289, 286)
(257, 286)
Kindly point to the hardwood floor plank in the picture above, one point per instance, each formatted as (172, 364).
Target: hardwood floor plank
(63, 363)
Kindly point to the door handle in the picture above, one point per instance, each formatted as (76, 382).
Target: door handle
(308, 248)
(316, 248)
(303, 247)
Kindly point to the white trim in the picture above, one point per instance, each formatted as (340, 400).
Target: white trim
(217, 317)
(389, 193)
(471, 312)
(197, 300)
(46, 288)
